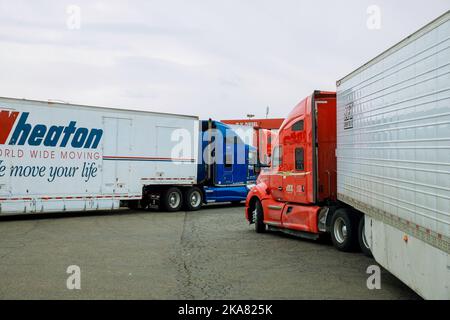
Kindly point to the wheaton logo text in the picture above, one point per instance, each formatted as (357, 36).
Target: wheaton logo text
(39, 134)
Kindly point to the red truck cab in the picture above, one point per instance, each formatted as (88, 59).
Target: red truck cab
(298, 191)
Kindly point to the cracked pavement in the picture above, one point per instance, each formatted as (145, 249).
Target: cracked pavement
(208, 254)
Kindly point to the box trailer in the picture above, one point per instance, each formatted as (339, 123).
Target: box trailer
(393, 156)
(370, 165)
(65, 157)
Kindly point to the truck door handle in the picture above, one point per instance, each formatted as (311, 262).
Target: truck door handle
(280, 188)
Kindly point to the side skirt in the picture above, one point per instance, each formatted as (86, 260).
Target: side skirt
(295, 233)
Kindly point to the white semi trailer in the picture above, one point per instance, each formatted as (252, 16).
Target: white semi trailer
(65, 157)
(393, 156)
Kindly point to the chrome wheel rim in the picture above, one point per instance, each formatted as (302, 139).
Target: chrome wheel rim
(195, 199)
(255, 214)
(174, 199)
(340, 230)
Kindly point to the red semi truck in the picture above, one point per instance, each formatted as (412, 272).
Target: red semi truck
(298, 191)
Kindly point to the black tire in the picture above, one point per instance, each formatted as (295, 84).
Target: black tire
(193, 199)
(172, 199)
(258, 217)
(364, 245)
(344, 230)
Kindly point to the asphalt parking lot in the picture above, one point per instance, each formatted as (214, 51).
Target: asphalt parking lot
(209, 254)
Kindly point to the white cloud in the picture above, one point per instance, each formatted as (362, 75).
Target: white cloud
(219, 59)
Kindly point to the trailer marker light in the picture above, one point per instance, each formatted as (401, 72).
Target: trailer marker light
(405, 238)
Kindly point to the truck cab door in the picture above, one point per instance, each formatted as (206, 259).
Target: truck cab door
(225, 165)
(276, 177)
(274, 209)
(295, 183)
(234, 169)
(228, 166)
(295, 180)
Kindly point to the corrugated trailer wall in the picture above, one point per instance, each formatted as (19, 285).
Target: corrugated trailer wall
(393, 151)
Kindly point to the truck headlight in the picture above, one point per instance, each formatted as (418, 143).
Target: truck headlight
(250, 186)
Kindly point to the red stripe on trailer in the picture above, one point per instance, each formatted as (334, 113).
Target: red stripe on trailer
(147, 158)
(159, 179)
(73, 197)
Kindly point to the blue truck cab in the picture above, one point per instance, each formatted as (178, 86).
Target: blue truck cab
(226, 163)
(226, 173)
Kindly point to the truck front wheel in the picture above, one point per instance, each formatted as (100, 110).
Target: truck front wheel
(258, 217)
(344, 230)
(193, 199)
(172, 199)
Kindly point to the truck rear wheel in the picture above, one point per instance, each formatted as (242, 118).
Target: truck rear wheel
(344, 230)
(193, 199)
(363, 243)
(172, 199)
(258, 217)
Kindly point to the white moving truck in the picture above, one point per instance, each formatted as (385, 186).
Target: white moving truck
(393, 156)
(64, 157)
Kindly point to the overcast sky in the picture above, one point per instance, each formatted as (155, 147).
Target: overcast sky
(221, 59)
